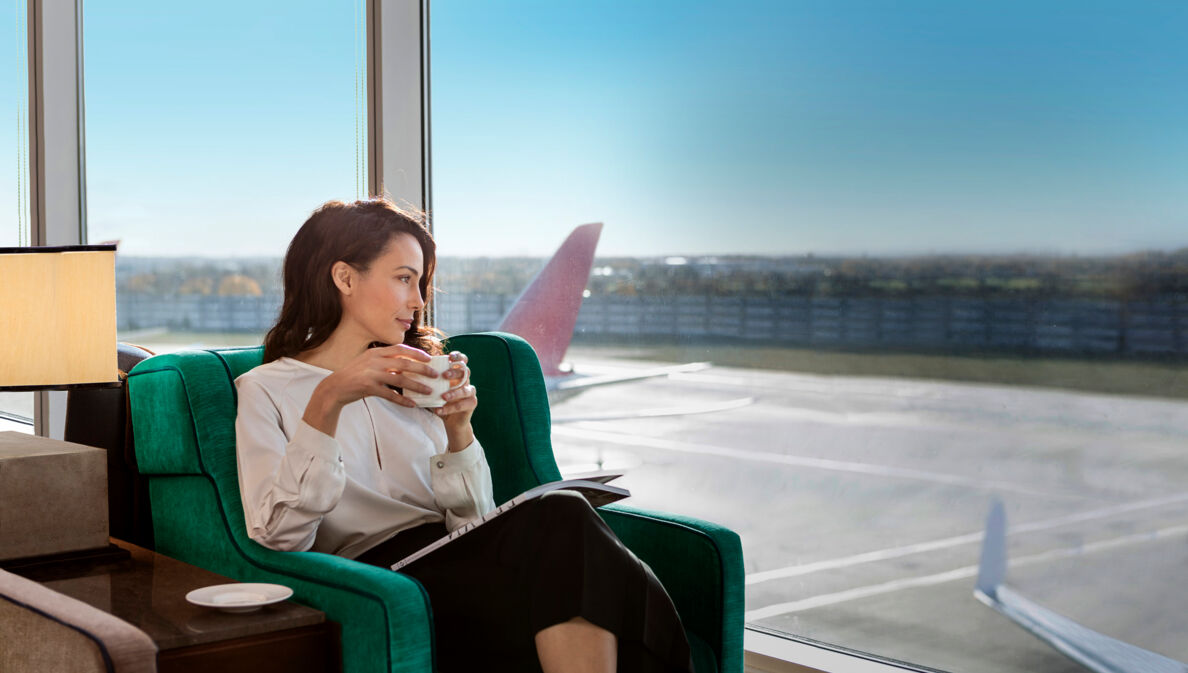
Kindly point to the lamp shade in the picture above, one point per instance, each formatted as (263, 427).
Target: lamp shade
(57, 317)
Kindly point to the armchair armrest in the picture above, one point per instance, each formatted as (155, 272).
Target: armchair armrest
(384, 616)
(684, 552)
(355, 591)
(50, 631)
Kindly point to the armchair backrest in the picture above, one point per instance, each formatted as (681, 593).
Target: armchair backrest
(512, 419)
(196, 410)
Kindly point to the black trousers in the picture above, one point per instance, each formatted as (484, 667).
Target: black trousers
(542, 563)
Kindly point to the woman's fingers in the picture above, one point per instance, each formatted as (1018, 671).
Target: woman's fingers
(458, 374)
(392, 389)
(459, 393)
(398, 398)
(398, 379)
(402, 366)
(407, 360)
(460, 400)
(395, 364)
(402, 351)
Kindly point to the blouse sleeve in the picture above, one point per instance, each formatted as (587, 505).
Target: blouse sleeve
(462, 485)
(287, 485)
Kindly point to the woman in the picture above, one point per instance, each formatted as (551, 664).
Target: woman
(334, 458)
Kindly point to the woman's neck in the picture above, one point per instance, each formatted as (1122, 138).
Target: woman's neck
(339, 349)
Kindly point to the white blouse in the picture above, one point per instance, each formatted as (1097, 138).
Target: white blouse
(387, 469)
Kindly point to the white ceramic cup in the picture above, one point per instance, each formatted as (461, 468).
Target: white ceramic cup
(439, 385)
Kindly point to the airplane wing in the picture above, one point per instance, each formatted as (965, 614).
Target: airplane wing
(1095, 651)
(573, 383)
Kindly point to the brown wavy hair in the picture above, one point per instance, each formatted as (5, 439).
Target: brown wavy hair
(355, 233)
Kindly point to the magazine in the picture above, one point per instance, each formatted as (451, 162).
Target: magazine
(593, 487)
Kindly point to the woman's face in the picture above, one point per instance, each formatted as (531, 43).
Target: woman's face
(380, 302)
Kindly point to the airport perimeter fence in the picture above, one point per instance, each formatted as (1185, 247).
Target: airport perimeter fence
(1157, 327)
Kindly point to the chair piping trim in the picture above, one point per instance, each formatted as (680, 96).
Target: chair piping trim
(227, 368)
(523, 429)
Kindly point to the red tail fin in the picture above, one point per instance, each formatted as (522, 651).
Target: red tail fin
(546, 311)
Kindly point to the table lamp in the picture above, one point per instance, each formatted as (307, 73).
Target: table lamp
(57, 332)
(58, 306)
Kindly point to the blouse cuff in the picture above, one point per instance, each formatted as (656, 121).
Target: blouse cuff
(316, 443)
(452, 462)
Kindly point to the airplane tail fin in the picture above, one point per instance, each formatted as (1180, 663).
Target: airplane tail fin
(546, 311)
(992, 568)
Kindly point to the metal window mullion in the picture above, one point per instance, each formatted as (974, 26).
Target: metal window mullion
(398, 103)
(57, 165)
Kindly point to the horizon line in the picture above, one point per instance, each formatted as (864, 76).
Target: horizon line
(702, 256)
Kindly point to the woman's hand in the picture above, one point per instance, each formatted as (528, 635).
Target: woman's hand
(461, 402)
(368, 375)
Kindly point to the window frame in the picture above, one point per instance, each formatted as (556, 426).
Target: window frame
(57, 162)
(766, 651)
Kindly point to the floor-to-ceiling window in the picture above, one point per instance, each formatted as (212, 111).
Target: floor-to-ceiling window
(212, 131)
(937, 254)
(16, 409)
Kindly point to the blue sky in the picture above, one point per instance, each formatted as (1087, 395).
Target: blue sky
(773, 127)
(853, 127)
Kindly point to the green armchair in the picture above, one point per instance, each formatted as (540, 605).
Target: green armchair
(183, 416)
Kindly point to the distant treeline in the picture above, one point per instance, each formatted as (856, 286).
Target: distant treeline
(1131, 277)
(1101, 328)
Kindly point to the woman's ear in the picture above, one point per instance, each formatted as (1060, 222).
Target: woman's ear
(343, 275)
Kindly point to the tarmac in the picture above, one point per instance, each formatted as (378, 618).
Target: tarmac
(860, 502)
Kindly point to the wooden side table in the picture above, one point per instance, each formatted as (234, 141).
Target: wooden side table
(149, 590)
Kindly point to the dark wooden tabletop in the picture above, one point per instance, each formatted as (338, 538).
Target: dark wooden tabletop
(149, 590)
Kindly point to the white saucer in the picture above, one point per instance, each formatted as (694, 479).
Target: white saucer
(239, 597)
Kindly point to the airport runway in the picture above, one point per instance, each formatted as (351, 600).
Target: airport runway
(860, 502)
